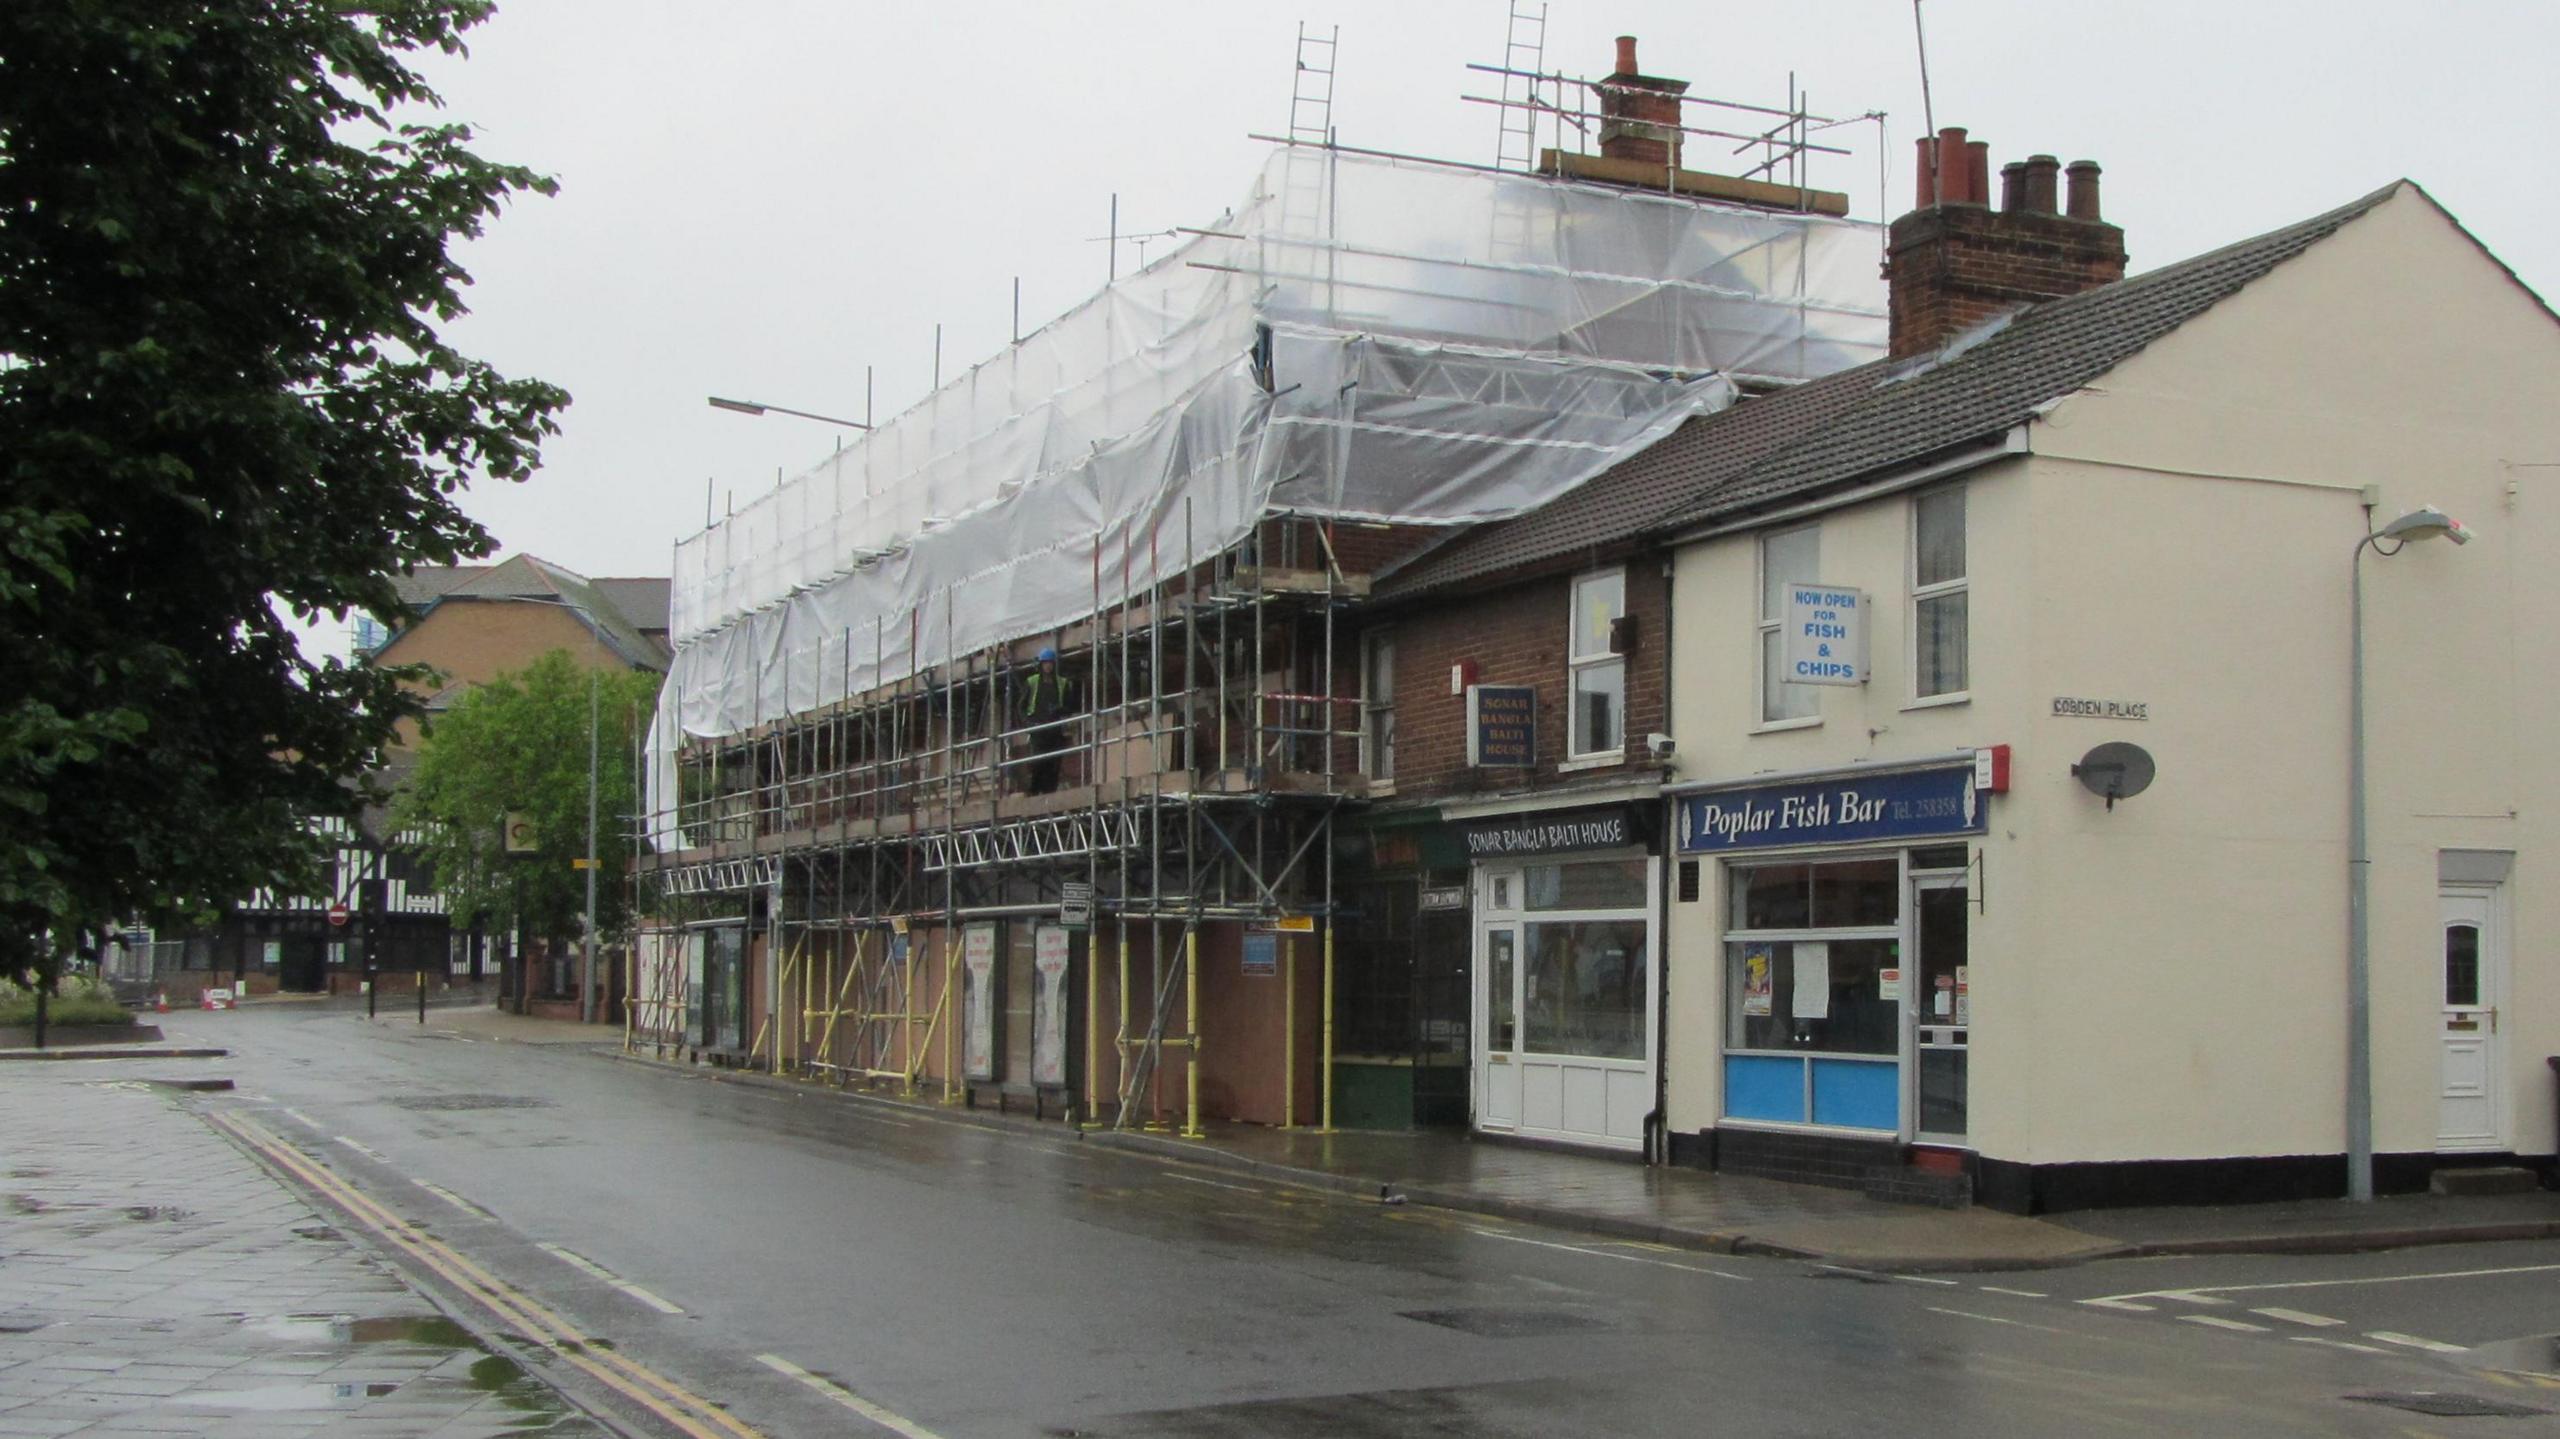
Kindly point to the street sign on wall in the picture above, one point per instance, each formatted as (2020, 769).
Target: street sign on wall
(1502, 726)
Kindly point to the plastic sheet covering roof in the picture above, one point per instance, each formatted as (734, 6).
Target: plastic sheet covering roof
(1364, 338)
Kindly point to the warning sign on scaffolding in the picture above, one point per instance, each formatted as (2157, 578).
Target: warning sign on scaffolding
(1049, 948)
(1075, 904)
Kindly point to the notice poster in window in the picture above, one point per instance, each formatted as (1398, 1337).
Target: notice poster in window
(1049, 949)
(1889, 985)
(1964, 995)
(978, 978)
(1758, 981)
(1812, 999)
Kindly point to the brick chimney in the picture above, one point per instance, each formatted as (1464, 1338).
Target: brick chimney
(1639, 113)
(1954, 261)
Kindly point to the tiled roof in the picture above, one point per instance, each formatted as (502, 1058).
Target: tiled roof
(1873, 418)
(629, 615)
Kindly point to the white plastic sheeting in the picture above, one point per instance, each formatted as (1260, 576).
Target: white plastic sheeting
(1446, 345)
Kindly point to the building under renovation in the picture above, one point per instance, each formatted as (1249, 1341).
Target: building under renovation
(1004, 752)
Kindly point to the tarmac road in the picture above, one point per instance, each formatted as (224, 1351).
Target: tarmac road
(809, 1264)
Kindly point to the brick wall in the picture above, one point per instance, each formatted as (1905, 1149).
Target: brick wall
(1516, 635)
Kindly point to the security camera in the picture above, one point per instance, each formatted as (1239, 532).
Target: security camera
(1660, 746)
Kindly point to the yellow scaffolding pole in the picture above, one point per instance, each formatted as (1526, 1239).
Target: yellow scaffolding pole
(1288, 1031)
(1092, 1025)
(1191, 1021)
(1324, 1076)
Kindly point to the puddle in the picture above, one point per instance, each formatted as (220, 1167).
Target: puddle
(151, 1212)
(25, 1204)
(275, 1397)
(495, 1372)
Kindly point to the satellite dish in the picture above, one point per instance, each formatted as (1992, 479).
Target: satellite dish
(2115, 769)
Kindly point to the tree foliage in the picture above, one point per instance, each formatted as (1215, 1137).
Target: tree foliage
(224, 400)
(518, 745)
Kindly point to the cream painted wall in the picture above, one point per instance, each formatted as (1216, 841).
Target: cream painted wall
(2166, 980)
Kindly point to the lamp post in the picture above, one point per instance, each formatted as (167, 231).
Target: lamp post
(750, 407)
(2424, 523)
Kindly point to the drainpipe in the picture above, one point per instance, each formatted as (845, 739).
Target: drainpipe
(1657, 1137)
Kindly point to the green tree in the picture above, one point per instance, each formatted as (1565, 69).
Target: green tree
(225, 405)
(518, 746)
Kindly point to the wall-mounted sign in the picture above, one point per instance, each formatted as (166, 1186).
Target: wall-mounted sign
(1261, 952)
(2074, 707)
(1904, 804)
(1049, 1002)
(1452, 897)
(1826, 635)
(1554, 831)
(1502, 726)
(1075, 904)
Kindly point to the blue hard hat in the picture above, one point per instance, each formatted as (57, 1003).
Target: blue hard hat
(1048, 653)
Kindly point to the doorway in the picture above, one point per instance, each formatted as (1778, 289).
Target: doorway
(1564, 999)
(1940, 1004)
(2470, 1106)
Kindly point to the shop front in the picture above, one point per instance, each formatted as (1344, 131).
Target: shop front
(1565, 959)
(1841, 905)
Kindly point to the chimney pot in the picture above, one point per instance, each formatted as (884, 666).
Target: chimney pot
(1977, 172)
(2084, 189)
(1952, 166)
(2013, 185)
(2042, 172)
(1924, 170)
(1627, 55)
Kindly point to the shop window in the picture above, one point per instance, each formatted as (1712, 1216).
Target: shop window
(1378, 705)
(1587, 884)
(1596, 721)
(1811, 994)
(1939, 623)
(1789, 557)
(1586, 988)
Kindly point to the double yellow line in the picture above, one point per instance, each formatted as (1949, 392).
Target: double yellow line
(688, 1412)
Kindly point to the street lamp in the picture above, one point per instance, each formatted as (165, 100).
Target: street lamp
(750, 407)
(2423, 523)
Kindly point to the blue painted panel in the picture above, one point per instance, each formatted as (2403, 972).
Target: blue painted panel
(1760, 1086)
(1863, 1093)
(1904, 804)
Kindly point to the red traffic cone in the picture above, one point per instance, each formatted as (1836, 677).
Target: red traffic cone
(160, 1001)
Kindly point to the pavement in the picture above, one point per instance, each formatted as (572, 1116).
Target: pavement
(156, 1281)
(1698, 1209)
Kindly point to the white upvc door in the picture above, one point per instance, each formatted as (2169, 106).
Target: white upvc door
(2472, 954)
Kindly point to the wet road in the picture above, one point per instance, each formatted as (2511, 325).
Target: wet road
(822, 1266)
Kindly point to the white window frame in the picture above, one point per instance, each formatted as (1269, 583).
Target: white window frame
(1960, 585)
(1768, 628)
(1578, 662)
(1376, 709)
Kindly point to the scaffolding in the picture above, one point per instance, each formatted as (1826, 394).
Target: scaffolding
(1180, 487)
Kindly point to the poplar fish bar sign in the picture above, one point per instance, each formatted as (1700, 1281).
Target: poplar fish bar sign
(1905, 804)
(1826, 635)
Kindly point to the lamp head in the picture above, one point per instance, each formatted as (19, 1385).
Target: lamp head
(2425, 522)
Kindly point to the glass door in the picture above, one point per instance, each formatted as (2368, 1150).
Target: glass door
(1941, 1006)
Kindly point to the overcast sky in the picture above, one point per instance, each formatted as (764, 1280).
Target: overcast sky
(761, 199)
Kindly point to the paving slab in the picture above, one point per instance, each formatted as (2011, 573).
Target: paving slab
(158, 1281)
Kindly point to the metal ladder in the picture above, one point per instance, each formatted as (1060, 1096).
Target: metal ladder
(1524, 49)
(1311, 87)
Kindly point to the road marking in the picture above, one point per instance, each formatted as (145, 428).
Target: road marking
(2186, 1296)
(1996, 1319)
(1213, 1183)
(374, 1154)
(2019, 1293)
(2296, 1316)
(298, 1117)
(894, 1423)
(1878, 1274)
(689, 1413)
(2335, 1283)
(1605, 1254)
(2338, 1344)
(2218, 1322)
(581, 1262)
(456, 1200)
(2412, 1341)
(2115, 1302)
